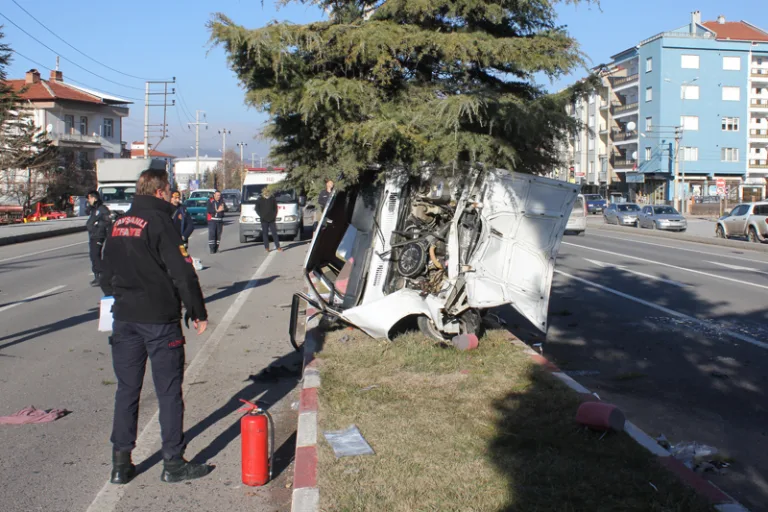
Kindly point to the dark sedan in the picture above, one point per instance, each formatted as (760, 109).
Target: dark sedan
(595, 203)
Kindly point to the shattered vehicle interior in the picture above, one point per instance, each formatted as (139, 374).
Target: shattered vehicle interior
(440, 249)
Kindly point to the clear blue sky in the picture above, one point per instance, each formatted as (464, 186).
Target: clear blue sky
(161, 38)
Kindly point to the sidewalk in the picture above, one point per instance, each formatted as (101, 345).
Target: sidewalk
(18, 233)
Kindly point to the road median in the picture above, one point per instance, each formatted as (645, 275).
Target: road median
(19, 233)
(655, 233)
(489, 429)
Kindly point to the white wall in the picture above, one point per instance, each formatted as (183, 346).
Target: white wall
(55, 117)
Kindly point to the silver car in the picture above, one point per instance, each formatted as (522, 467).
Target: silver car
(623, 214)
(662, 217)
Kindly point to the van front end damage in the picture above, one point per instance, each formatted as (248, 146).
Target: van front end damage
(440, 248)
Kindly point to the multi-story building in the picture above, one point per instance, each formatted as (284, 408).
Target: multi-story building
(684, 114)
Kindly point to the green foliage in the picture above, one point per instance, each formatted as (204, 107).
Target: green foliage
(399, 83)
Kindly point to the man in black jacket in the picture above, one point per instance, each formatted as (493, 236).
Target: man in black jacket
(149, 273)
(216, 210)
(182, 219)
(266, 209)
(322, 200)
(97, 225)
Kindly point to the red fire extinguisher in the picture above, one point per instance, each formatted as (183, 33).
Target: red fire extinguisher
(257, 434)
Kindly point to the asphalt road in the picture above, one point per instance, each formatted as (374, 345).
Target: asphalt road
(51, 356)
(674, 333)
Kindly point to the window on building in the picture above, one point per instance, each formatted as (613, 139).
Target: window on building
(648, 154)
(690, 154)
(591, 99)
(648, 65)
(731, 93)
(689, 122)
(689, 92)
(69, 124)
(732, 63)
(689, 62)
(729, 154)
(649, 93)
(648, 124)
(109, 128)
(591, 143)
(83, 125)
(577, 146)
(730, 124)
(591, 120)
(591, 167)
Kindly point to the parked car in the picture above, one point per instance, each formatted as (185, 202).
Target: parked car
(436, 248)
(232, 200)
(207, 193)
(595, 203)
(622, 214)
(662, 217)
(577, 222)
(198, 209)
(748, 220)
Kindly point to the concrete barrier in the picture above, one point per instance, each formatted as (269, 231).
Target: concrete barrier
(655, 233)
(18, 233)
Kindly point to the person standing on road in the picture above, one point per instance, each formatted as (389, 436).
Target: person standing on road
(266, 209)
(149, 273)
(322, 199)
(216, 210)
(98, 226)
(182, 219)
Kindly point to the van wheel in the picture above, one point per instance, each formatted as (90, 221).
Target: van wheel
(428, 329)
(752, 235)
(243, 238)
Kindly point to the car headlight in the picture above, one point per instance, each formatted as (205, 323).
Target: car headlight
(247, 220)
(290, 218)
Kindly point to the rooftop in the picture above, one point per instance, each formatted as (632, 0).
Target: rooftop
(34, 88)
(736, 31)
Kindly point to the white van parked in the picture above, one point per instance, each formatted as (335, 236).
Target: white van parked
(577, 222)
(290, 206)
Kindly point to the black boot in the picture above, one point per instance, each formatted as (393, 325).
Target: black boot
(178, 470)
(95, 281)
(123, 469)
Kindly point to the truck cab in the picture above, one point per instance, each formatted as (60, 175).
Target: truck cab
(117, 180)
(290, 205)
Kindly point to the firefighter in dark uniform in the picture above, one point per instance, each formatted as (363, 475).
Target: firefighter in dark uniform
(98, 226)
(216, 210)
(149, 273)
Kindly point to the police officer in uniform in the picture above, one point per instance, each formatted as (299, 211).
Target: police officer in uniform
(216, 210)
(147, 270)
(97, 225)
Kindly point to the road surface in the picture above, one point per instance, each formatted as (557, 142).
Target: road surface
(51, 356)
(676, 334)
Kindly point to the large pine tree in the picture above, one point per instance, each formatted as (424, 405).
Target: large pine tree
(404, 82)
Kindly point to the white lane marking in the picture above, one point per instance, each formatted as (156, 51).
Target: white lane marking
(602, 264)
(31, 298)
(646, 260)
(704, 323)
(737, 267)
(109, 496)
(708, 253)
(30, 254)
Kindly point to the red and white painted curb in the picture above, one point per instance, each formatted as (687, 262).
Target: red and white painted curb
(721, 501)
(306, 495)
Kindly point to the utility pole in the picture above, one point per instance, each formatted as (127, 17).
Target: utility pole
(223, 134)
(197, 124)
(163, 128)
(242, 145)
(678, 136)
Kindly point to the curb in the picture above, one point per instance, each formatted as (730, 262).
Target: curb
(306, 495)
(721, 501)
(653, 233)
(29, 237)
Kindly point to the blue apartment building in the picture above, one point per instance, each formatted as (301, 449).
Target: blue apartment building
(683, 113)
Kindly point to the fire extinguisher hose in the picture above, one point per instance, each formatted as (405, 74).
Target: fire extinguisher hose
(271, 442)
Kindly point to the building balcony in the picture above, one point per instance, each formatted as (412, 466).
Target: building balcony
(759, 74)
(620, 163)
(758, 164)
(758, 135)
(758, 103)
(75, 139)
(624, 109)
(622, 81)
(625, 137)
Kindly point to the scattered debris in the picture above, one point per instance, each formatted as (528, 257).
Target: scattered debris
(197, 263)
(698, 457)
(275, 372)
(295, 406)
(344, 339)
(465, 342)
(654, 487)
(368, 388)
(539, 347)
(663, 442)
(348, 442)
(32, 414)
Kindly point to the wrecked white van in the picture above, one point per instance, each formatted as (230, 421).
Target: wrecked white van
(437, 249)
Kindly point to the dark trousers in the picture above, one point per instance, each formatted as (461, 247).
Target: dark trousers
(215, 228)
(164, 344)
(95, 246)
(272, 228)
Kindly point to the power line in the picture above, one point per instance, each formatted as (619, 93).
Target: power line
(77, 50)
(75, 81)
(66, 59)
(185, 108)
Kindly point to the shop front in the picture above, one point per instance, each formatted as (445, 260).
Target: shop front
(753, 189)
